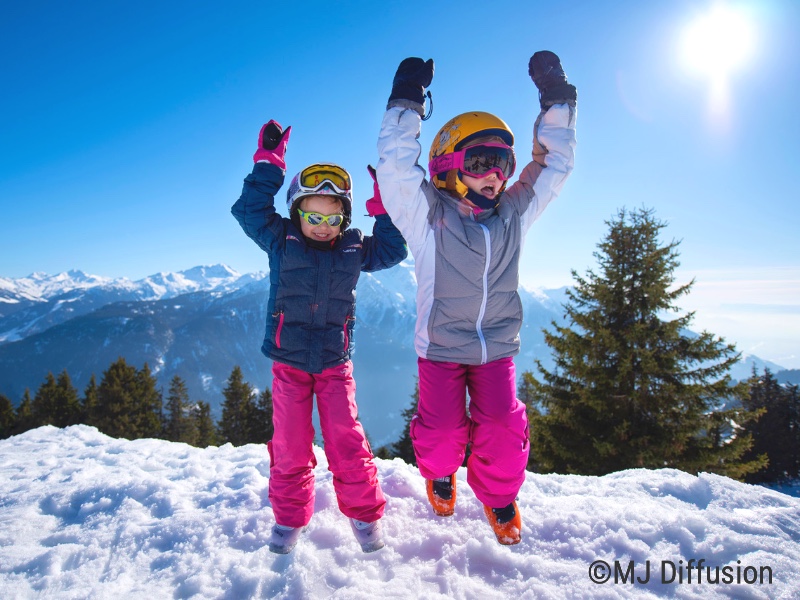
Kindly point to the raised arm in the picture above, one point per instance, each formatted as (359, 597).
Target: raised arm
(553, 155)
(255, 208)
(398, 173)
(386, 246)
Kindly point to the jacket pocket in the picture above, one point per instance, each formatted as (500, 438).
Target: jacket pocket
(279, 316)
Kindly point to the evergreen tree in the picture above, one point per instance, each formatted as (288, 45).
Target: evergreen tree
(43, 406)
(8, 417)
(56, 402)
(115, 414)
(128, 402)
(237, 410)
(204, 425)
(89, 403)
(179, 426)
(261, 429)
(776, 433)
(403, 447)
(150, 402)
(24, 415)
(68, 403)
(630, 387)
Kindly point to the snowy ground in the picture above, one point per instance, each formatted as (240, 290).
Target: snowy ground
(83, 515)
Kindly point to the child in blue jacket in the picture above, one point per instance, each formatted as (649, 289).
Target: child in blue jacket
(314, 264)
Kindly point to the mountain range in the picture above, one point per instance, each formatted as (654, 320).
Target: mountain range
(200, 323)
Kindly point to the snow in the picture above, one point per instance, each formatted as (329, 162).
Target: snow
(83, 515)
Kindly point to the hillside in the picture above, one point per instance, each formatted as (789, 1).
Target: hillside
(88, 516)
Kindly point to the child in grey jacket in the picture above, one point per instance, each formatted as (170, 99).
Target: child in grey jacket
(465, 228)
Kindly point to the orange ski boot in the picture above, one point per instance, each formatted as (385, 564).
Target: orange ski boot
(442, 495)
(506, 523)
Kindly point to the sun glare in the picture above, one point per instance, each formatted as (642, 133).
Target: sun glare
(718, 42)
(715, 45)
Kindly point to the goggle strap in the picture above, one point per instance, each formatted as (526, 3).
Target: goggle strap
(443, 163)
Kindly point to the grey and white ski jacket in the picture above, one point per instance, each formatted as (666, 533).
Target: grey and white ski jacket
(467, 265)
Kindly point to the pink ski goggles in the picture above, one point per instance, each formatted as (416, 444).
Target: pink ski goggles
(477, 161)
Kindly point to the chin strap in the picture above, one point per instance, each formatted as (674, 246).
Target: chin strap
(482, 201)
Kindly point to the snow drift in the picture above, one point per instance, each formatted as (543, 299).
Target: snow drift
(84, 515)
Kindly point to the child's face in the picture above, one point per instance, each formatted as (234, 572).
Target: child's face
(324, 205)
(488, 187)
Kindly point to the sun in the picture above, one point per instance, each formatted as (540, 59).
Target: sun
(715, 45)
(718, 42)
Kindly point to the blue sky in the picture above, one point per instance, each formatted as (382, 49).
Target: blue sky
(128, 128)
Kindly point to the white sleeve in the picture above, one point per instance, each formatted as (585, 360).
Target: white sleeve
(400, 178)
(553, 160)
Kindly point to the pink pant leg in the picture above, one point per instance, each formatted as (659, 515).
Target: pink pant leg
(499, 435)
(440, 429)
(292, 461)
(355, 477)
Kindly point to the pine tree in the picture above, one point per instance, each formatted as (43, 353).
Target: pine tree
(149, 410)
(776, 433)
(23, 420)
(630, 387)
(260, 426)
(56, 402)
(179, 426)
(403, 448)
(43, 406)
(129, 404)
(116, 406)
(204, 425)
(68, 403)
(89, 402)
(115, 400)
(8, 417)
(237, 410)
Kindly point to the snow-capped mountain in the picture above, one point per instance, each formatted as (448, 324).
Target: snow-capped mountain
(202, 322)
(35, 303)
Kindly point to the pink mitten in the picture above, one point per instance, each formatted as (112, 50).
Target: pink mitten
(375, 204)
(272, 141)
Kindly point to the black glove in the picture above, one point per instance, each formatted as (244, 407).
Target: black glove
(412, 77)
(547, 73)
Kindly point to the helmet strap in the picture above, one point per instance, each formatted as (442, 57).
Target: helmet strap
(481, 201)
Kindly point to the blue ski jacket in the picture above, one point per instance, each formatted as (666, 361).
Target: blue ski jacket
(311, 311)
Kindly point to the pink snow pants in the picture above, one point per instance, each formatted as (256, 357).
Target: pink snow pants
(497, 427)
(292, 461)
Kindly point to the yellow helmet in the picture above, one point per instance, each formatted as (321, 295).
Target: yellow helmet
(456, 134)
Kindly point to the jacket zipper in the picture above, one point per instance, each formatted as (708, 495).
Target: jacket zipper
(485, 285)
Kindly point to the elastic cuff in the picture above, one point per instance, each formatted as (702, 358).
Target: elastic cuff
(403, 103)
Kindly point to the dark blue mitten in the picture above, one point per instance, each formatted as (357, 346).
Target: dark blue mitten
(412, 77)
(547, 73)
